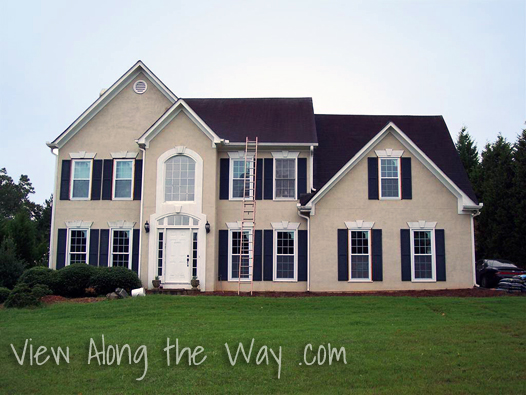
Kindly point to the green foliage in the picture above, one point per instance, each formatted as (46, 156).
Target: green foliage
(4, 294)
(23, 231)
(519, 195)
(72, 280)
(468, 152)
(39, 275)
(105, 280)
(21, 296)
(11, 267)
(41, 290)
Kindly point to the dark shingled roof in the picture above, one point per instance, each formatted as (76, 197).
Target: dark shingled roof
(340, 137)
(277, 120)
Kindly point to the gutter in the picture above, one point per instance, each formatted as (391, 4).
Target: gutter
(308, 245)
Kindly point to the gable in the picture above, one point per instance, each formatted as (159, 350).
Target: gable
(109, 95)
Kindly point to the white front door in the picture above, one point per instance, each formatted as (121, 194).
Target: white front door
(177, 268)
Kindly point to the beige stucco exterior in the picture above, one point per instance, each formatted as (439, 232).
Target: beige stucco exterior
(128, 115)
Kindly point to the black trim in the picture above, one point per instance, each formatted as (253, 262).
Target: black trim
(372, 168)
(343, 255)
(268, 262)
(135, 250)
(62, 242)
(258, 256)
(377, 259)
(65, 179)
(302, 176)
(224, 178)
(223, 256)
(94, 247)
(259, 180)
(104, 247)
(440, 248)
(96, 180)
(407, 188)
(137, 179)
(302, 255)
(268, 192)
(107, 180)
(405, 247)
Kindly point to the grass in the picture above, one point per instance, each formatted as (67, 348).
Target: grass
(393, 345)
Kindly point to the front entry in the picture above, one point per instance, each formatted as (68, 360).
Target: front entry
(177, 269)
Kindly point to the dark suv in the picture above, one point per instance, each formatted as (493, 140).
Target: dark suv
(491, 271)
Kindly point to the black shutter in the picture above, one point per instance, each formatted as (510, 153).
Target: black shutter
(268, 193)
(343, 255)
(107, 179)
(302, 255)
(135, 250)
(407, 189)
(224, 178)
(223, 256)
(268, 262)
(94, 247)
(61, 247)
(372, 166)
(405, 245)
(258, 250)
(440, 246)
(96, 180)
(137, 180)
(377, 255)
(259, 180)
(104, 247)
(65, 179)
(302, 176)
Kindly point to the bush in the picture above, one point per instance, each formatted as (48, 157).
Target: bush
(11, 267)
(41, 290)
(105, 280)
(39, 275)
(21, 296)
(72, 280)
(4, 294)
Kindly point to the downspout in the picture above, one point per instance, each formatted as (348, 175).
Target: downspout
(52, 233)
(312, 168)
(308, 248)
(141, 212)
(473, 215)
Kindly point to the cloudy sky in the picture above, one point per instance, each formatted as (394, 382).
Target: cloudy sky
(461, 59)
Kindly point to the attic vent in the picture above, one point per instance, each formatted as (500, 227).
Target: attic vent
(140, 87)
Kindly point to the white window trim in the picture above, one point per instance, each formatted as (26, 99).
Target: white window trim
(357, 226)
(115, 179)
(88, 231)
(124, 155)
(236, 155)
(82, 155)
(275, 255)
(399, 197)
(182, 152)
(235, 228)
(423, 226)
(73, 179)
(285, 155)
(130, 231)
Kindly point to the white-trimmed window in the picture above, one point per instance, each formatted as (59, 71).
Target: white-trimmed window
(390, 178)
(81, 179)
(240, 172)
(121, 247)
(179, 181)
(360, 263)
(123, 179)
(78, 246)
(285, 174)
(285, 267)
(423, 255)
(160, 253)
(239, 251)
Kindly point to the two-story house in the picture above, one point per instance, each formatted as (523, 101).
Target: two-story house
(153, 182)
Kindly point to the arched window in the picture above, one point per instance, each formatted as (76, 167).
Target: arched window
(179, 182)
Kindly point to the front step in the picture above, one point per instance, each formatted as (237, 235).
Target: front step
(174, 291)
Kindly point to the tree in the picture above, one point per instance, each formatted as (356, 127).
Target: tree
(469, 156)
(15, 196)
(519, 194)
(11, 267)
(497, 218)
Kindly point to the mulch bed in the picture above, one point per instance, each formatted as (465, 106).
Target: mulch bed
(52, 299)
(457, 293)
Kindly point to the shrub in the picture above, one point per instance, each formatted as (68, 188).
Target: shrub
(72, 280)
(11, 267)
(4, 294)
(105, 280)
(21, 296)
(41, 290)
(39, 275)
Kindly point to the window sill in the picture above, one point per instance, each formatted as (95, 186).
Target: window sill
(285, 280)
(390, 198)
(285, 199)
(360, 281)
(122, 199)
(79, 198)
(423, 280)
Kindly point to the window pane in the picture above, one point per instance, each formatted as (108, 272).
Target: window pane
(359, 266)
(244, 247)
(285, 188)
(389, 167)
(285, 178)
(123, 188)
(82, 170)
(180, 174)
(422, 242)
(423, 267)
(285, 267)
(390, 187)
(123, 169)
(80, 189)
(78, 246)
(285, 255)
(121, 248)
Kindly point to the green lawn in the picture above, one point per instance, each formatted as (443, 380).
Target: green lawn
(393, 345)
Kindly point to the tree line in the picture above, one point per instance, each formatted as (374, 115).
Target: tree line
(498, 176)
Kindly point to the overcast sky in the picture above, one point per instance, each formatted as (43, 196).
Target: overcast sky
(461, 59)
